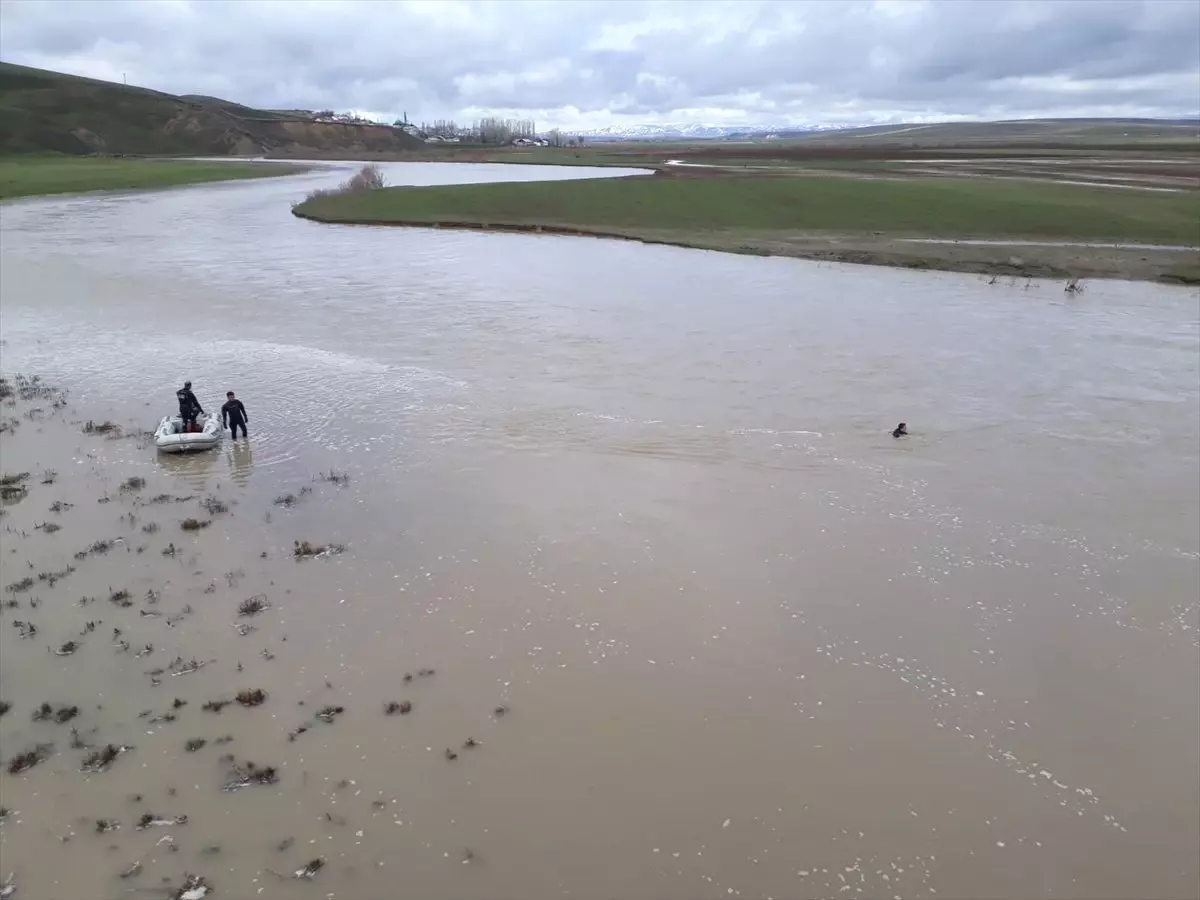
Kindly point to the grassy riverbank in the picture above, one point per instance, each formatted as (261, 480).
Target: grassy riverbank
(31, 176)
(836, 218)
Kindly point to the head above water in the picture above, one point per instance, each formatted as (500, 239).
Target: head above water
(187, 385)
(900, 430)
(229, 395)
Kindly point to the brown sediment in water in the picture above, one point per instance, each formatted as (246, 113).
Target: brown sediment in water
(747, 679)
(107, 531)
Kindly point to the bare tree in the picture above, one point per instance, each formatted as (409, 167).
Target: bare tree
(368, 178)
(443, 128)
(501, 131)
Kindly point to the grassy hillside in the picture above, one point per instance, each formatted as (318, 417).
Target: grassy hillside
(1018, 133)
(48, 112)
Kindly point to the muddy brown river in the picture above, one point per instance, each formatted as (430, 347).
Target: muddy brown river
(692, 623)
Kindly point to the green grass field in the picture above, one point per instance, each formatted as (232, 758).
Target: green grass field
(30, 176)
(692, 207)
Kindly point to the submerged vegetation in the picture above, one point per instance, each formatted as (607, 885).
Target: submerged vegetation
(213, 506)
(289, 499)
(341, 479)
(106, 428)
(27, 759)
(100, 760)
(307, 550)
(252, 606)
(253, 697)
(132, 631)
(12, 487)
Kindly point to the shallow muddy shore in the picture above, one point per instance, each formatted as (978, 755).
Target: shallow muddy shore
(167, 709)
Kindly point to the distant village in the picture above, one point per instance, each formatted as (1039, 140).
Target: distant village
(491, 131)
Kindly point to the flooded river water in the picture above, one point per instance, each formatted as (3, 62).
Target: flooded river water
(714, 631)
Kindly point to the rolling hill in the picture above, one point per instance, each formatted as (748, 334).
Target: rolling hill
(1017, 132)
(1024, 131)
(48, 112)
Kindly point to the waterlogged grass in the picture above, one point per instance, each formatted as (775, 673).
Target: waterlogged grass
(30, 176)
(687, 208)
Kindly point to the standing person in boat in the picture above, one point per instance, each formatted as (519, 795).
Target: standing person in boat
(233, 415)
(189, 406)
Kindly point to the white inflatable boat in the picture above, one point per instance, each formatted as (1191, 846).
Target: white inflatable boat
(170, 437)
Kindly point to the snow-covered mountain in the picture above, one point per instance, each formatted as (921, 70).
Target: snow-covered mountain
(695, 131)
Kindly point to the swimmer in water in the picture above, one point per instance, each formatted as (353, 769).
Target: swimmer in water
(900, 430)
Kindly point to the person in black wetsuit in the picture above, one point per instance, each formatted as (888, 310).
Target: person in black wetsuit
(189, 406)
(233, 415)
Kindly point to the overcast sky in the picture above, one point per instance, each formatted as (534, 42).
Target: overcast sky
(581, 64)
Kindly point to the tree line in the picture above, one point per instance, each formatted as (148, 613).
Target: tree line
(492, 131)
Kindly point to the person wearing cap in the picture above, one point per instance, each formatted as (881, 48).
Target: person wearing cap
(189, 406)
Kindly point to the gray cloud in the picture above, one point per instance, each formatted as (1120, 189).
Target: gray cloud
(579, 63)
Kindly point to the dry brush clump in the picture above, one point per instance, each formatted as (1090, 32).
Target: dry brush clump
(47, 713)
(30, 388)
(252, 606)
(96, 549)
(101, 760)
(289, 499)
(12, 487)
(252, 697)
(249, 773)
(308, 550)
(213, 506)
(368, 178)
(29, 758)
